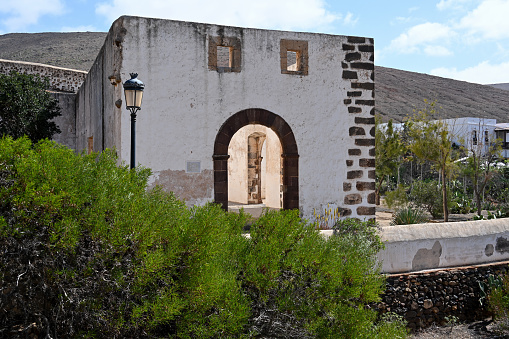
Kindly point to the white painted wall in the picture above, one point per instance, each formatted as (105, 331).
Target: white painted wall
(446, 244)
(185, 104)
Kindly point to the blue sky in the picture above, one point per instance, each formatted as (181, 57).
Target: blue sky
(460, 39)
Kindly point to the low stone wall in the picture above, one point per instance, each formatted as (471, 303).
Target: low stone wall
(426, 298)
(412, 248)
(61, 79)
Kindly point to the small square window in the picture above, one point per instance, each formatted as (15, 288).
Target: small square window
(294, 57)
(224, 54)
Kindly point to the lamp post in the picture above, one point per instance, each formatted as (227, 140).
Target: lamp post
(133, 89)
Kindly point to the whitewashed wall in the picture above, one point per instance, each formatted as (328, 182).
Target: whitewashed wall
(185, 104)
(411, 248)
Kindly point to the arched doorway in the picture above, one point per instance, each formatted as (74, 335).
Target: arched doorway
(290, 156)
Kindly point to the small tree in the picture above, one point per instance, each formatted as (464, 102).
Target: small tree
(388, 152)
(432, 140)
(482, 154)
(26, 107)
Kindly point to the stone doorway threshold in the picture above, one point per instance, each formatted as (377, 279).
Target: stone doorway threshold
(255, 210)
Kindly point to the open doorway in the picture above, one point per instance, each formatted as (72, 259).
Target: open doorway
(289, 154)
(255, 170)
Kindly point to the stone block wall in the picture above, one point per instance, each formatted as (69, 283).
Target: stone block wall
(61, 79)
(426, 298)
(358, 69)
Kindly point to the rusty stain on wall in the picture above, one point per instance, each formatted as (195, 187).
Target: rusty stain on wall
(187, 186)
(425, 258)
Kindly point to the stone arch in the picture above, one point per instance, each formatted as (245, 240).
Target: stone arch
(290, 154)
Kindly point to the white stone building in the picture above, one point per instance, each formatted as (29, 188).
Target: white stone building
(235, 114)
(320, 108)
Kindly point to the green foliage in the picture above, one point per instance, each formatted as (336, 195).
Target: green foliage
(388, 152)
(498, 296)
(408, 216)
(479, 166)
(428, 195)
(99, 255)
(26, 108)
(486, 287)
(320, 285)
(432, 140)
(397, 198)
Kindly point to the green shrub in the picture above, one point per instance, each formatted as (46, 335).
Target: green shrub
(314, 286)
(114, 259)
(93, 253)
(428, 195)
(408, 216)
(397, 198)
(498, 297)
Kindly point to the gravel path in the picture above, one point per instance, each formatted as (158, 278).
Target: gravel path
(477, 330)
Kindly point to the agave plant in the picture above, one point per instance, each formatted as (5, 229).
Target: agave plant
(408, 215)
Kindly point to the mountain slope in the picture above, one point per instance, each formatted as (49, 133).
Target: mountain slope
(398, 92)
(501, 86)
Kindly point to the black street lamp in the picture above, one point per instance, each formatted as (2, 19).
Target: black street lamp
(133, 89)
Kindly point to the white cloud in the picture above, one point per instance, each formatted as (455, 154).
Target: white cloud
(423, 35)
(350, 20)
(437, 51)
(79, 29)
(22, 13)
(488, 20)
(274, 14)
(451, 4)
(483, 73)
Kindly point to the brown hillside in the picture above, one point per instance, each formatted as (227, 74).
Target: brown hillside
(68, 50)
(397, 92)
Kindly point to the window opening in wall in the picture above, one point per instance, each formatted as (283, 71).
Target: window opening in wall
(294, 57)
(474, 137)
(224, 56)
(292, 61)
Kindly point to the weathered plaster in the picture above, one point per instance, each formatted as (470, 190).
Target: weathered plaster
(190, 187)
(425, 258)
(430, 246)
(186, 102)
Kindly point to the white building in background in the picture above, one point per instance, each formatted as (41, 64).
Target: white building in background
(475, 133)
(502, 133)
(472, 132)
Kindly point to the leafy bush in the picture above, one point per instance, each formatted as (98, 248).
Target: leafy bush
(408, 216)
(397, 198)
(498, 296)
(90, 252)
(27, 107)
(428, 195)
